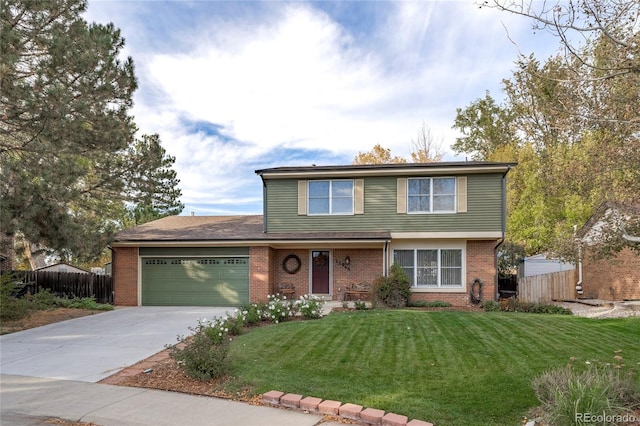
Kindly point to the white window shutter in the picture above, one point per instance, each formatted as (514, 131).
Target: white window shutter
(358, 195)
(461, 182)
(402, 195)
(302, 197)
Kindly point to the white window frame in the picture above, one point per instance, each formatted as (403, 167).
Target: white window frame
(331, 198)
(431, 195)
(438, 285)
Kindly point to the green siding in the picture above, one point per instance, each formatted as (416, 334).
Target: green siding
(219, 281)
(484, 212)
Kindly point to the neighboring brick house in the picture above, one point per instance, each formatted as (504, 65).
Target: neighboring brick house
(7, 252)
(610, 278)
(323, 229)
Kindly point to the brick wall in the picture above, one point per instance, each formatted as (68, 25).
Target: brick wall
(260, 273)
(7, 252)
(299, 279)
(480, 264)
(616, 278)
(125, 276)
(365, 266)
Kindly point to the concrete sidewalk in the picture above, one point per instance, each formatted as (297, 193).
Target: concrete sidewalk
(27, 401)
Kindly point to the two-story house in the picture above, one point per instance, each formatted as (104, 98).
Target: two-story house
(323, 229)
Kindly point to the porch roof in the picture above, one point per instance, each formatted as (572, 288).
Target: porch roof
(228, 229)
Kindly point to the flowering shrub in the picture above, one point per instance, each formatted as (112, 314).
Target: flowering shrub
(235, 323)
(205, 356)
(252, 313)
(277, 309)
(310, 306)
(216, 329)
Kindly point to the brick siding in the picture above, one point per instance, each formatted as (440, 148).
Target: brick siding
(480, 264)
(365, 266)
(266, 272)
(125, 276)
(616, 278)
(260, 273)
(7, 252)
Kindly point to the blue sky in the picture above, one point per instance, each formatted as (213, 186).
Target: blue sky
(235, 86)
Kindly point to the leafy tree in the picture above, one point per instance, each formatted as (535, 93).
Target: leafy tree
(572, 122)
(378, 155)
(593, 22)
(509, 258)
(485, 126)
(69, 158)
(425, 148)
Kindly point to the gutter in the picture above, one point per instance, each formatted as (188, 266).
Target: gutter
(504, 232)
(264, 204)
(113, 278)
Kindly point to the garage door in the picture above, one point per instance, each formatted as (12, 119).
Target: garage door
(182, 281)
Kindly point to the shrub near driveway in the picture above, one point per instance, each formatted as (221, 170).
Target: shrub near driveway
(449, 368)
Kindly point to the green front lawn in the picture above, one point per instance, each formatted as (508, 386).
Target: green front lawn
(449, 368)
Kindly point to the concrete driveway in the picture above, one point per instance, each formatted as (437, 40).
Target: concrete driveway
(91, 348)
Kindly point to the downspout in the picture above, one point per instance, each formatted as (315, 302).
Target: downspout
(579, 283)
(264, 204)
(385, 263)
(504, 232)
(113, 278)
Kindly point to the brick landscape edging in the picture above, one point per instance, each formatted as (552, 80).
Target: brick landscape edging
(352, 412)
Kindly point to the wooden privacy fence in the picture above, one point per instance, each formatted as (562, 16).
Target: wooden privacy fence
(547, 287)
(70, 284)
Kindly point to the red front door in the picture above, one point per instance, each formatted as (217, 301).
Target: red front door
(320, 272)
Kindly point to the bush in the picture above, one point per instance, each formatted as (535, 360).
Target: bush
(44, 300)
(490, 306)
(204, 355)
(515, 305)
(360, 305)
(82, 303)
(252, 314)
(599, 389)
(11, 308)
(278, 310)
(310, 306)
(394, 290)
(235, 323)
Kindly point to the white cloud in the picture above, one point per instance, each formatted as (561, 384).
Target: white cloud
(280, 76)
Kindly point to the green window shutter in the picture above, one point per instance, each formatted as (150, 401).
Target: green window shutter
(462, 193)
(402, 195)
(358, 195)
(302, 197)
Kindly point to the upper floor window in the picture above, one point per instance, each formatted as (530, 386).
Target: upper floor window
(331, 197)
(431, 195)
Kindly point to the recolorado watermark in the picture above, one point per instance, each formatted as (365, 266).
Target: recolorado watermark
(606, 418)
